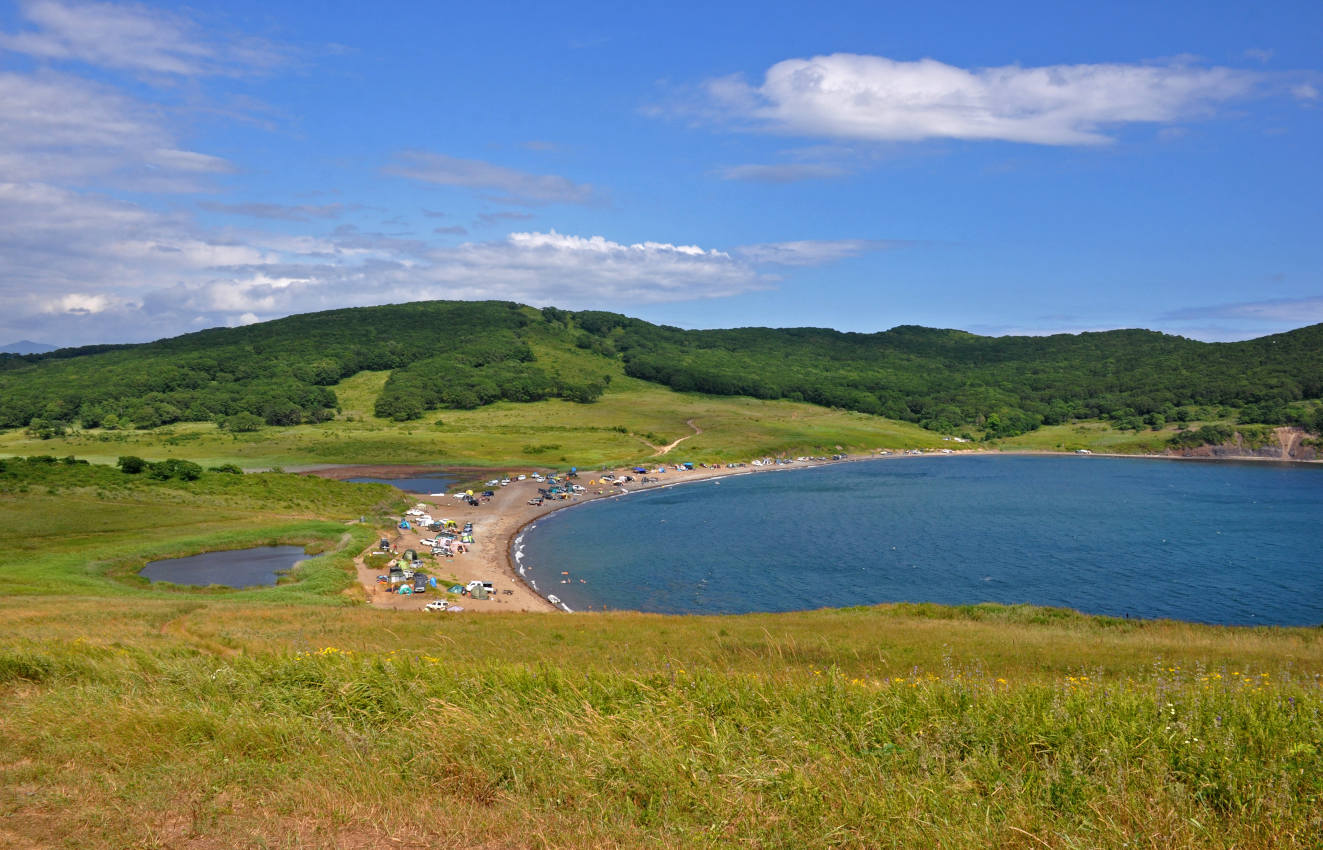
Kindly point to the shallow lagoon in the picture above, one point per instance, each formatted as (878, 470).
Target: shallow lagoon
(425, 484)
(233, 568)
(1219, 542)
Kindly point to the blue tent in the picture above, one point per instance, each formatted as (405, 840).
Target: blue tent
(640, 470)
(432, 581)
(404, 523)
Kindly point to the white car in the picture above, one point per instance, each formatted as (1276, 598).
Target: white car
(522, 477)
(438, 605)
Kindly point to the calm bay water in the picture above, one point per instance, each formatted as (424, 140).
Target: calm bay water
(233, 568)
(1217, 542)
(425, 484)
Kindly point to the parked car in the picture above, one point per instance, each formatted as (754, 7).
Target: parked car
(437, 605)
(419, 583)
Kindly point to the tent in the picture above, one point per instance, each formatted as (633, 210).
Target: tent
(640, 470)
(455, 588)
(404, 524)
(410, 555)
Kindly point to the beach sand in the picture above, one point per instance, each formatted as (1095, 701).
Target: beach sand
(495, 525)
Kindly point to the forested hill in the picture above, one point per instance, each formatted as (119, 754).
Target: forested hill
(467, 354)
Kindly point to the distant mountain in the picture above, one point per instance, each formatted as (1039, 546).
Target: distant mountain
(466, 354)
(26, 346)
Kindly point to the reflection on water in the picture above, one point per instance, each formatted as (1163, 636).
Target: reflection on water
(235, 568)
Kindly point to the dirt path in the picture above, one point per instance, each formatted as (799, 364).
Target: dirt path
(665, 449)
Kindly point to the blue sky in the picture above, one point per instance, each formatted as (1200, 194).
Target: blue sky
(165, 168)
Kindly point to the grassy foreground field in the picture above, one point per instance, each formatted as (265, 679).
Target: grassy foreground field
(142, 716)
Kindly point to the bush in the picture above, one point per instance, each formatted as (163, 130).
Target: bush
(182, 469)
(131, 464)
(241, 423)
(45, 429)
(227, 468)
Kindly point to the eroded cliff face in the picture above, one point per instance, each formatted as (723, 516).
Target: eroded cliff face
(1289, 444)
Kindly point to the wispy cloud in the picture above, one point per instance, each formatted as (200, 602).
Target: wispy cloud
(1302, 311)
(504, 184)
(489, 219)
(55, 127)
(279, 212)
(812, 252)
(789, 172)
(851, 96)
(136, 38)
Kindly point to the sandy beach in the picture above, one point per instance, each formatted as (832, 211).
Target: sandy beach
(498, 521)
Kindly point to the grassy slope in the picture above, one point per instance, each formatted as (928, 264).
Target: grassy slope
(618, 429)
(546, 433)
(139, 716)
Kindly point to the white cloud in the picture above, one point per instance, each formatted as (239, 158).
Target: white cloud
(133, 38)
(55, 127)
(811, 252)
(84, 267)
(509, 185)
(850, 96)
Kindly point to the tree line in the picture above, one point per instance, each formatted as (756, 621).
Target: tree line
(467, 354)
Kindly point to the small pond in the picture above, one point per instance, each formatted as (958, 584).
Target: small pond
(235, 568)
(426, 484)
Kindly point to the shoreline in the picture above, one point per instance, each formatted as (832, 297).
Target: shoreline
(500, 523)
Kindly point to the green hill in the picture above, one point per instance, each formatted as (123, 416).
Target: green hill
(466, 355)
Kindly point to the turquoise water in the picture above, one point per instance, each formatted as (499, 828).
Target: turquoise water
(1216, 542)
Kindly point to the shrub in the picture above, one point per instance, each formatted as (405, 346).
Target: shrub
(181, 469)
(241, 423)
(131, 464)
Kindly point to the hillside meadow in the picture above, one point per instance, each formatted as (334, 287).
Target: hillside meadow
(631, 422)
(150, 716)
